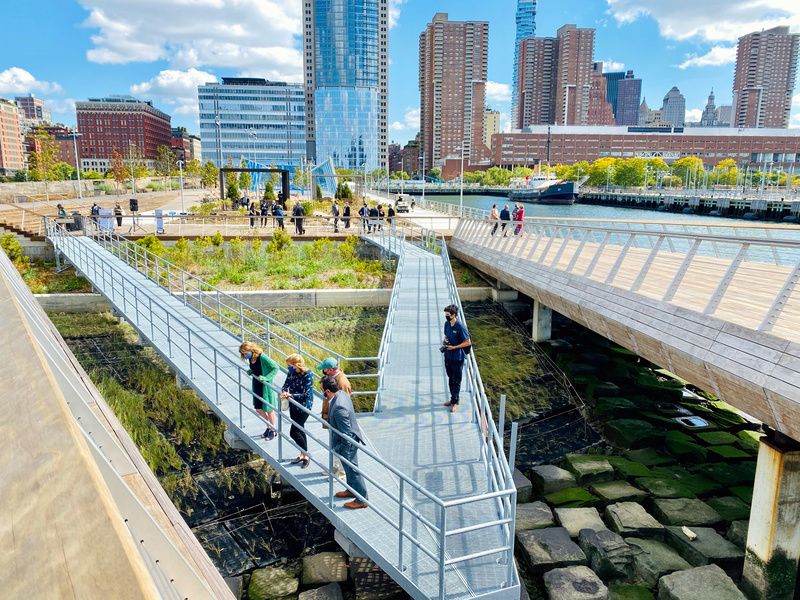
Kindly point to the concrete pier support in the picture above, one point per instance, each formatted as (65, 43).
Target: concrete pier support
(181, 382)
(773, 537)
(234, 441)
(541, 330)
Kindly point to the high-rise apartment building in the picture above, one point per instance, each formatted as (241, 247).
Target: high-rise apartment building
(346, 82)
(34, 108)
(453, 57)
(600, 111)
(612, 86)
(724, 115)
(252, 118)
(65, 143)
(536, 83)
(526, 28)
(673, 110)
(629, 95)
(573, 75)
(491, 125)
(12, 158)
(120, 124)
(763, 84)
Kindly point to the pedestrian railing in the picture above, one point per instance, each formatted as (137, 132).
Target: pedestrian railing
(636, 247)
(222, 381)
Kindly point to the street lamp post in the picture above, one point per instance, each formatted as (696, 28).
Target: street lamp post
(364, 190)
(461, 186)
(180, 171)
(423, 178)
(75, 135)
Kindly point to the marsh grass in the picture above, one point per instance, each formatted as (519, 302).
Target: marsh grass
(41, 277)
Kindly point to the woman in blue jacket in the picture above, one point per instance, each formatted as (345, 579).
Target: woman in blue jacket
(299, 386)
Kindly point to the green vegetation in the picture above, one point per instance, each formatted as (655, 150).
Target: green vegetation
(41, 276)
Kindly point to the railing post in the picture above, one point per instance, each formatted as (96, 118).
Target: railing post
(502, 424)
(512, 448)
(330, 468)
(241, 320)
(219, 310)
(400, 527)
(442, 550)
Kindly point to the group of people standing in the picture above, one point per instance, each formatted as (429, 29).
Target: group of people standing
(372, 219)
(263, 212)
(298, 390)
(504, 217)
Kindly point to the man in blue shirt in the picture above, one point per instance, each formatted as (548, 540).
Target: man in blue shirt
(456, 338)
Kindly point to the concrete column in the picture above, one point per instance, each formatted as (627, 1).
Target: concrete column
(541, 329)
(773, 538)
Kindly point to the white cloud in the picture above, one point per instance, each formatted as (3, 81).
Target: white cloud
(711, 20)
(410, 121)
(693, 115)
(394, 11)
(175, 89)
(610, 66)
(794, 121)
(718, 55)
(258, 37)
(15, 80)
(498, 92)
(505, 122)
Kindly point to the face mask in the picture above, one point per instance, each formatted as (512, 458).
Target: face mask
(249, 355)
(291, 369)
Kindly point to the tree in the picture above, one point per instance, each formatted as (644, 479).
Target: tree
(232, 192)
(245, 180)
(725, 173)
(601, 171)
(210, 175)
(318, 192)
(497, 176)
(63, 171)
(478, 177)
(630, 172)
(44, 159)
(521, 172)
(689, 169)
(269, 191)
(118, 169)
(435, 173)
(404, 176)
(194, 168)
(165, 162)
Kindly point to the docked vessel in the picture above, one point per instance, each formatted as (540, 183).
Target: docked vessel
(543, 189)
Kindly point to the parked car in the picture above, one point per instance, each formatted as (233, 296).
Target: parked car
(401, 206)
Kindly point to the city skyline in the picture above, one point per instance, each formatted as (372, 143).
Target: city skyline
(166, 63)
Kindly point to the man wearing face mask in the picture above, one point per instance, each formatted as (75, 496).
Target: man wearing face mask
(456, 339)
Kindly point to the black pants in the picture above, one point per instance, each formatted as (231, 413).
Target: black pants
(298, 418)
(454, 369)
(298, 226)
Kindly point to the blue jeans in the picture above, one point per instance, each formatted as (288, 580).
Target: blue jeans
(354, 478)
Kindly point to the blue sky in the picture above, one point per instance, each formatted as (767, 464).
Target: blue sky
(162, 49)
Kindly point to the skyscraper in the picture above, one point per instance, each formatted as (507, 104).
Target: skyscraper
(673, 110)
(256, 119)
(491, 125)
(346, 75)
(574, 75)
(453, 57)
(526, 28)
(629, 93)
(536, 84)
(34, 108)
(12, 158)
(612, 87)
(600, 111)
(763, 84)
(709, 117)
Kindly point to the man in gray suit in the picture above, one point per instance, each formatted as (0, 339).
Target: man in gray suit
(342, 418)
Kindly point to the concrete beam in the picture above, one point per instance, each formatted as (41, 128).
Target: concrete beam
(541, 329)
(773, 538)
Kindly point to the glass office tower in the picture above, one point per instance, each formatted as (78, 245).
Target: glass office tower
(345, 43)
(526, 28)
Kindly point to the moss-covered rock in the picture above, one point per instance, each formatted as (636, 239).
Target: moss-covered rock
(617, 491)
(717, 438)
(688, 451)
(572, 498)
(628, 468)
(631, 433)
(728, 452)
(273, 583)
(649, 457)
(728, 474)
(665, 487)
(685, 511)
(626, 591)
(614, 407)
(744, 493)
(730, 508)
(589, 467)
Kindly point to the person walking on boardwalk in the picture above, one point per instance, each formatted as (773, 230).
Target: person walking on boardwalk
(299, 386)
(252, 212)
(390, 214)
(456, 340)
(118, 212)
(494, 216)
(519, 218)
(330, 368)
(335, 214)
(264, 211)
(345, 443)
(505, 218)
(263, 370)
(297, 216)
(363, 212)
(346, 215)
(277, 212)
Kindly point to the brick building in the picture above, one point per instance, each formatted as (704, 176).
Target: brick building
(453, 62)
(567, 145)
(395, 157)
(573, 75)
(536, 81)
(12, 158)
(120, 123)
(63, 139)
(184, 145)
(600, 111)
(410, 156)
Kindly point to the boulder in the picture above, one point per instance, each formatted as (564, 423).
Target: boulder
(576, 519)
(649, 457)
(665, 487)
(737, 533)
(708, 547)
(547, 479)
(728, 474)
(627, 591)
(534, 515)
(728, 452)
(685, 511)
(572, 497)
(589, 467)
(236, 586)
(273, 583)
(376, 585)
(653, 559)
(631, 433)
(708, 582)
(628, 468)
(717, 438)
(608, 554)
(325, 567)
(524, 487)
(549, 548)
(574, 583)
(362, 564)
(730, 508)
(332, 591)
(631, 519)
(615, 491)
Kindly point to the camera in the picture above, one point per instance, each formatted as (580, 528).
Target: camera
(442, 349)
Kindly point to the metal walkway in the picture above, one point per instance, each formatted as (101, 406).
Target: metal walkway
(442, 499)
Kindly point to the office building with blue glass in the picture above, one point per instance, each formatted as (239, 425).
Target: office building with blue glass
(526, 28)
(252, 119)
(346, 75)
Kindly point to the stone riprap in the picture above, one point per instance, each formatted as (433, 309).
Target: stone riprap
(524, 487)
(730, 508)
(708, 547)
(332, 591)
(616, 491)
(589, 468)
(325, 567)
(576, 519)
(608, 554)
(631, 519)
(685, 511)
(653, 559)
(737, 533)
(534, 515)
(706, 583)
(273, 583)
(574, 583)
(547, 479)
(550, 548)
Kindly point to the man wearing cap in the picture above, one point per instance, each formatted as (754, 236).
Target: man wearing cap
(330, 368)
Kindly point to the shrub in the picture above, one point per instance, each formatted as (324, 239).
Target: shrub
(216, 240)
(153, 244)
(280, 242)
(347, 248)
(11, 247)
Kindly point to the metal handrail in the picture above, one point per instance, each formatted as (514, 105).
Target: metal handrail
(196, 349)
(732, 252)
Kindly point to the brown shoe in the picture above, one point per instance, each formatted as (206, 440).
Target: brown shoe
(453, 408)
(344, 494)
(448, 404)
(355, 504)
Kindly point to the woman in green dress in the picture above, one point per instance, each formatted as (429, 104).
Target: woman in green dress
(263, 370)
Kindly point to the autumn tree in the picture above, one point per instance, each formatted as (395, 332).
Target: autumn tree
(245, 179)
(194, 168)
(119, 171)
(689, 169)
(165, 162)
(210, 175)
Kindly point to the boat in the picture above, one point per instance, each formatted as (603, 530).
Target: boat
(543, 189)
